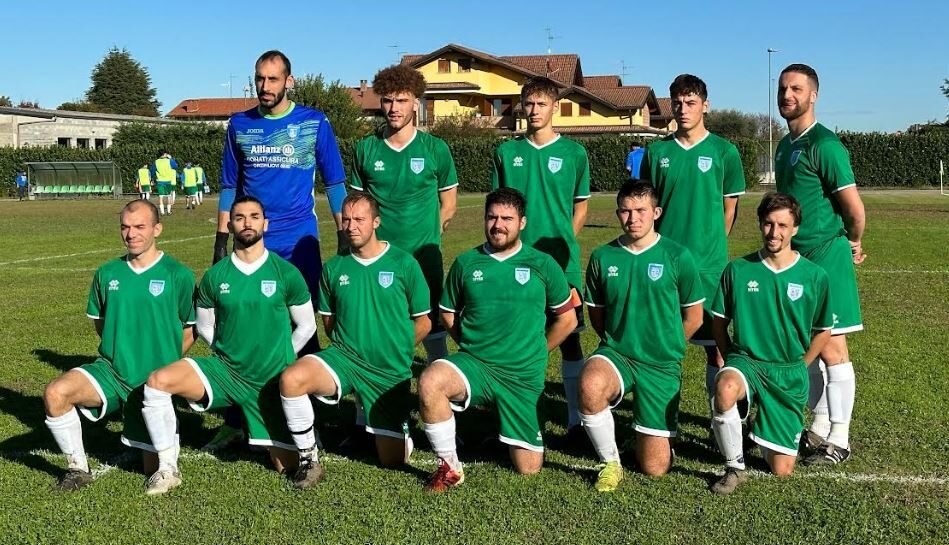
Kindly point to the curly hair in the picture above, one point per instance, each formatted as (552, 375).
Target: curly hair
(398, 78)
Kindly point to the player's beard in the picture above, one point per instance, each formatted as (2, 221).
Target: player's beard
(794, 113)
(509, 242)
(278, 98)
(248, 240)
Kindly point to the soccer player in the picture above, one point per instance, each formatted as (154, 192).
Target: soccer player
(202, 183)
(553, 173)
(812, 165)
(245, 308)
(375, 305)
(698, 177)
(22, 184)
(495, 305)
(189, 178)
(644, 296)
(777, 303)
(144, 182)
(272, 153)
(164, 172)
(141, 305)
(634, 160)
(412, 176)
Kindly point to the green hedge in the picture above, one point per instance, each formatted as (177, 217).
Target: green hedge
(910, 160)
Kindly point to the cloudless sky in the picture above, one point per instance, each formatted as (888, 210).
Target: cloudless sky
(880, 63)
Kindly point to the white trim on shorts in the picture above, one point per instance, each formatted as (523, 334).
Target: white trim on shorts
(521, 444)
(747, 389)
(845, 330)
(654, 432)
(98, 387)
(329, 400)
(453, 404)
(386, 433)
(622, 385)
(769, 445)
(135, 444)
(272, 443)
(196, 405)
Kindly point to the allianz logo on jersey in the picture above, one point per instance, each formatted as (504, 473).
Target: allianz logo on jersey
(752, 286)
(286, 150)
(113, 285)
(379, 166)
(612, 270)
(225, 288)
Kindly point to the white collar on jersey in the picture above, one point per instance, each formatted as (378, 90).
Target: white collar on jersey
(793, 140)
(371, 260)
(531, 142)
(797, 257)
(490, 251)
(407, 144)
(644, 250)
(143, 269)
(250, 268)
(687, 148)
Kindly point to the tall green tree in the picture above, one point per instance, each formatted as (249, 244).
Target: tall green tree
(334, 100)
(121, 85)
(5, 101)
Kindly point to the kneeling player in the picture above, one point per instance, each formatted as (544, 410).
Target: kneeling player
(375, 304)
(245, 306)
(777, 303)
(645, 299)
(143, 311)
(495, 306)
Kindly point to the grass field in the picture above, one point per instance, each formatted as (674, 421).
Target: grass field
(895, 489)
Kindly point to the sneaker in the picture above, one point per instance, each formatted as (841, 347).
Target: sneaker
(730, 481)
(308, 474)
(225, 438)
(810, 442)
(444, 478)
(611, 474)
(162, 481)
(828, 454)
(74, 479)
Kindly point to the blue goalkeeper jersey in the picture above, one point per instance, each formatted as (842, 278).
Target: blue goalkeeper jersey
(274, 159)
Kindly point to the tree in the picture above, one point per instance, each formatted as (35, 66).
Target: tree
(28, 104)
(735, 124)
(121, 85)
(79, 106)
(5, 101)
(335, 101)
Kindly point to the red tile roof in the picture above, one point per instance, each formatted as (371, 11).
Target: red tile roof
(561, 68)
(665, 107)
(365, 98)
(453, 85)
(630, 96)
(211, 107)
(602, 82)
(613, 129)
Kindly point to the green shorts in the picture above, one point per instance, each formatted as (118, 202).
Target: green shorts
(655, 389)
(780, 392)
(518, 405)
(266, 423)
(835, 257)
(192, 190)
(116, 394)
(709, 281)
(146, 188)
(386, 400)
(164, 189)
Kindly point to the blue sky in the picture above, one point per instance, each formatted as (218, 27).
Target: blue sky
(880, 63)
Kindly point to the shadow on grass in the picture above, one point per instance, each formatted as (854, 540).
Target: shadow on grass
(63, 362)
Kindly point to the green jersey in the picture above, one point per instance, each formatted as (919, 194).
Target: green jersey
(691, 183)
(252, 322)
(502, 303)
(552, 177)
(773, 313)
(811, 168)
(374, 302)
(406, 182)
(642, 295)
(143, 313)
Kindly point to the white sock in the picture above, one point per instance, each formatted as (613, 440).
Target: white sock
(841, 390)
(159, 416)
(67, 431)
(300, 420)
(711, 371)
(360, 412)
(727, 428)
(161, 207)
(441, 435)
(435, 349)
(602, 433)
(570, 371)
(817, 398)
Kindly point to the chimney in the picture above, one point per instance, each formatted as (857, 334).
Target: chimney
(363, 86)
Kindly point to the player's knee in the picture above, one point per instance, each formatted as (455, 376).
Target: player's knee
(433, 383)
(531, 467)
(159, 380)
(293, 381)
(594, 387)
(782, 469)
(57, 397)
(652, 467)
(727, 388)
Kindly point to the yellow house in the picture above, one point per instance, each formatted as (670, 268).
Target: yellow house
(463, 81)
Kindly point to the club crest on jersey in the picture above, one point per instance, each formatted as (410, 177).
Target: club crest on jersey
(156, 287)
(795, 155)
(554, 164)
(705, 163)
(386, 278)
(293, 130)
(522, 275)
(268, 287)
(795, 291)
(417, 164)
(654, 271)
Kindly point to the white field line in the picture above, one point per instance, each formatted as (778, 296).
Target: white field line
(901, 271)
(908, 480)
(100, 251)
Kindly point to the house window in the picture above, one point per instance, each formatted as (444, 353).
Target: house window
(501, 107)
(64, 142)
(584, 109)
(566, 109)
(464, 65)
(82, 143)
(100, 143)
(444, 66)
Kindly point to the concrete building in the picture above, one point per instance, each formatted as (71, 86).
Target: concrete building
(36, 127)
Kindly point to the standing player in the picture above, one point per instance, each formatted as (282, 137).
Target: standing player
(189, 177)
(495, 305)
(412, 176)
(144, 182)
(634, 160)
(375, 307)
(644, 296)
(272, 153)
(778, 306)
(812, 165)
(699, 178)
(144, 291)
(553, 173)
(245, 308)
(202, 182)
(165, 173)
